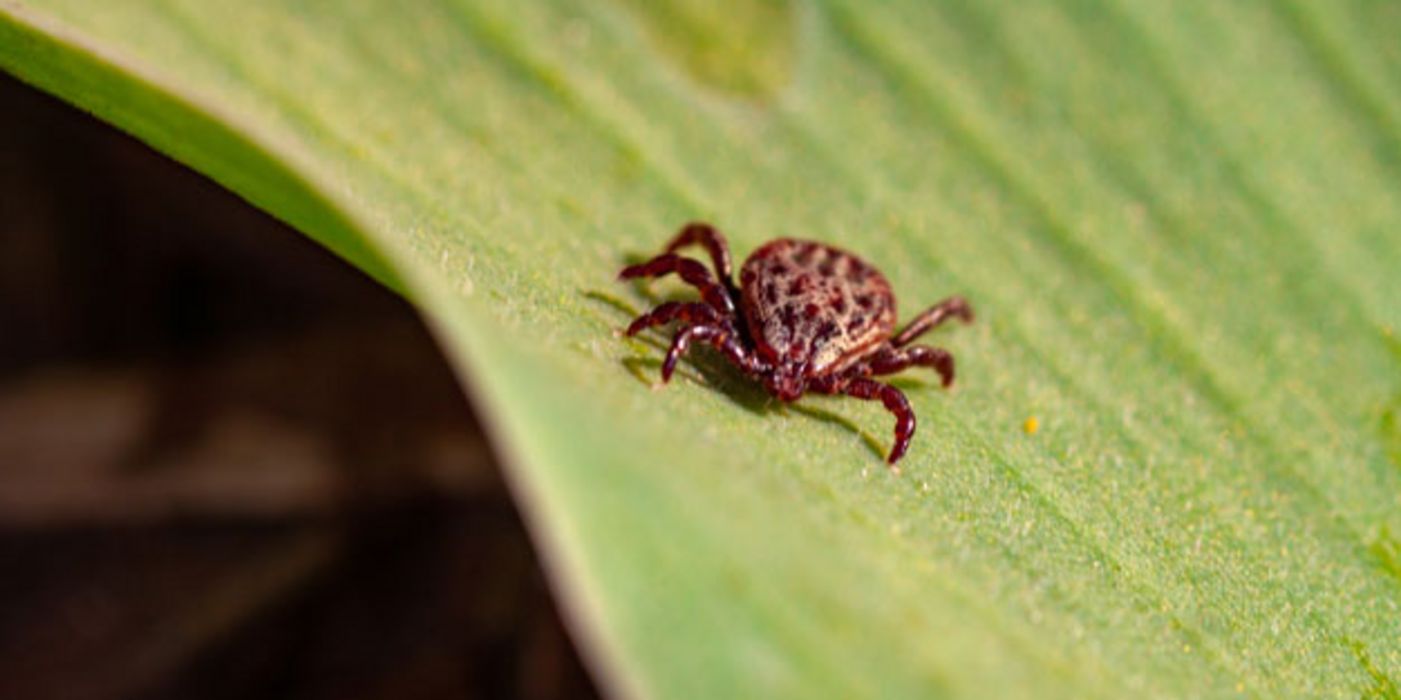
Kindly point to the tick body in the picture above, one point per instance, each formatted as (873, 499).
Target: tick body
(805, 317)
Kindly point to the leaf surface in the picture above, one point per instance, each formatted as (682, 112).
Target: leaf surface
(1178, 223)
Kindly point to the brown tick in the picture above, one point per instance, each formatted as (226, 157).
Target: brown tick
(816, 318)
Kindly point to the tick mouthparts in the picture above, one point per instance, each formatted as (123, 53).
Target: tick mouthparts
(785, 388)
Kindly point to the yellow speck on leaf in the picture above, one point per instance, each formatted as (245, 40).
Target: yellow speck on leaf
(1031, 425)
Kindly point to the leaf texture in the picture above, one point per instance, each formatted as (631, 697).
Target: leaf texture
(1179, 223)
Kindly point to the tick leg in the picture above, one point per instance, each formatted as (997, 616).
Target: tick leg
(722, 338)
(714, 242)
(691, 271)
(892, 360)
(689, 312)
(895, 402)
(933, 317)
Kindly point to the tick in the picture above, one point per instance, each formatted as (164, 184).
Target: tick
(805, 317)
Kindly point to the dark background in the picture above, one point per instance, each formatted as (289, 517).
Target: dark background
(230, 465)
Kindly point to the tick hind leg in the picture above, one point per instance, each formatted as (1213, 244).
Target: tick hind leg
(714, 243)
(691, 271)
(933, 317)
(892, 360)
(895, 402)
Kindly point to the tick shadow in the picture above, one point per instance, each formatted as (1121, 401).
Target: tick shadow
(872, 442)
(704, 366)
(701, 364)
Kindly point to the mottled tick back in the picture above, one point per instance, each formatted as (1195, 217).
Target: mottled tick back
(809, 304)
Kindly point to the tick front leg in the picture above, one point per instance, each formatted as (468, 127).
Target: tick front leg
(721, 337)
(688, 312)
(892, 360)
(895, 402)
(714, 243)
(691, 271)
(933, 317)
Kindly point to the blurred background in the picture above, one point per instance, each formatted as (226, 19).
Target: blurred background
(230, 465)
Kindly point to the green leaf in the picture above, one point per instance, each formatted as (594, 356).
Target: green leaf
(1180, 224)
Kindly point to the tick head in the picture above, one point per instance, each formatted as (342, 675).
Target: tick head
(787, 382)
